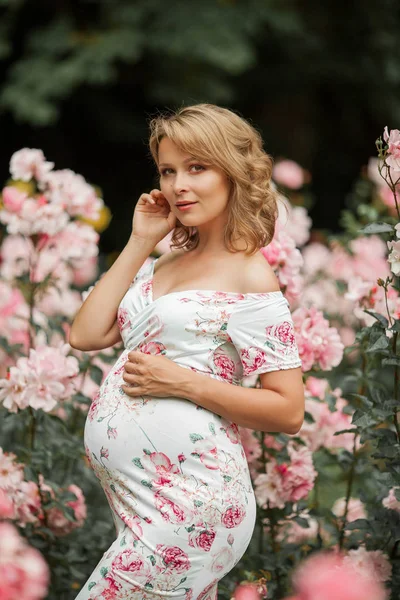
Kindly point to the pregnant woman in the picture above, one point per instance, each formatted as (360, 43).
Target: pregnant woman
(162, 432)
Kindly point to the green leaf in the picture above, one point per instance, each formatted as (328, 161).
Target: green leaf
(382, 320)
(195, 437)
(211, 428)
(378, 227)
(136, 461)
(103, 571)
(96, 374)
(146, 483)
(393, 361)
(381, 344)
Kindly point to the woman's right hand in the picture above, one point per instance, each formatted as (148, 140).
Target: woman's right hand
(152, 218)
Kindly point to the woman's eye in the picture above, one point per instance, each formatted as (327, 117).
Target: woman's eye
(165, 171)
(197, 168)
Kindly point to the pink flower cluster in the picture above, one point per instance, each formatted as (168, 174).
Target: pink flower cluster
(42, 380)
(24, 573)
(286, 260)
(321, 433)
(25, 501)
(329, 576)
(358, 268)
(355, 509)
(61, 195)
(319, 344)
(286, 482)
(393, 141)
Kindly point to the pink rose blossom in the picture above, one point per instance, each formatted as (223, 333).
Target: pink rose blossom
(72, 193)
(286, 260)
(29, 163)
(202, 539)
(370, 563)
(316, 387)
(286, 482)
(393, 141)
(24, 573)
(297, 225)
(233, 516)
(13, 199)
(318, 344)
(6, 506)
(355, 509)
(41, 380)
(325, 575)
(173, 558)
(391, 501)
(288, 173)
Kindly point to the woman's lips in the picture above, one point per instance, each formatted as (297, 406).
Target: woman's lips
(185, 206)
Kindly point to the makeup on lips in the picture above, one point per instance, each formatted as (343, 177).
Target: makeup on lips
(185, 206)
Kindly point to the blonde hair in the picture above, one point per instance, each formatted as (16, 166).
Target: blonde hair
(223, 139)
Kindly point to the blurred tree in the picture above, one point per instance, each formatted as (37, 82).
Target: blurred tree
(81, 78)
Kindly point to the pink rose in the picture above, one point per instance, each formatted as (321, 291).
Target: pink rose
(289, 174)
(130, 561)
(174, 558)
(285, 332)
(203, 539)
(233, 516)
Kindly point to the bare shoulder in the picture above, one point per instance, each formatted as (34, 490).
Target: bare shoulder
(259, 277)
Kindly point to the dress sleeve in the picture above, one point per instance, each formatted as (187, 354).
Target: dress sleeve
(261, 329)
(145, 270)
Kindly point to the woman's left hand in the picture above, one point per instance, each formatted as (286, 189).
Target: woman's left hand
(151, 375)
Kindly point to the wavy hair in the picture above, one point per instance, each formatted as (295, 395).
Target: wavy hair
(221, 138)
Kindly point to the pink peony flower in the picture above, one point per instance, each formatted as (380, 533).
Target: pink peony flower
(288, 173)
(318, 344)
(370, 563)
(327, 576)
(391, 501)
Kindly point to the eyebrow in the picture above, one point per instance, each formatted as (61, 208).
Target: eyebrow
(187, 160)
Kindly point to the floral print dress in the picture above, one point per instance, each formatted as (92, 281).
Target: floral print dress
(174, 473)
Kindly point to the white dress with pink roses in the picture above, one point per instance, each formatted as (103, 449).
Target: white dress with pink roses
(175, 474)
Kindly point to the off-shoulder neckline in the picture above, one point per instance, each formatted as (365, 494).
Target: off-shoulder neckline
(208, 291)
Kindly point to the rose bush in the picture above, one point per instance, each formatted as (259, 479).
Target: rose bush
(334, 485)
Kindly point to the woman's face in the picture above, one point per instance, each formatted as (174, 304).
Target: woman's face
(184, 178)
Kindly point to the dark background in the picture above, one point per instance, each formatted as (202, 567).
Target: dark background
(80, 80)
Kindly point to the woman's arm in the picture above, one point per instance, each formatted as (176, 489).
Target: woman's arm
(278, 407)
(94, 326)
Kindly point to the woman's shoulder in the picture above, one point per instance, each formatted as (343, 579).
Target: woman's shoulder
(258, 277)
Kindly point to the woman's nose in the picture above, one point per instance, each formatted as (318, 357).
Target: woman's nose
(180, 183)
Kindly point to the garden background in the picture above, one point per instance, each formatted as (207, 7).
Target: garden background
(80, 80)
